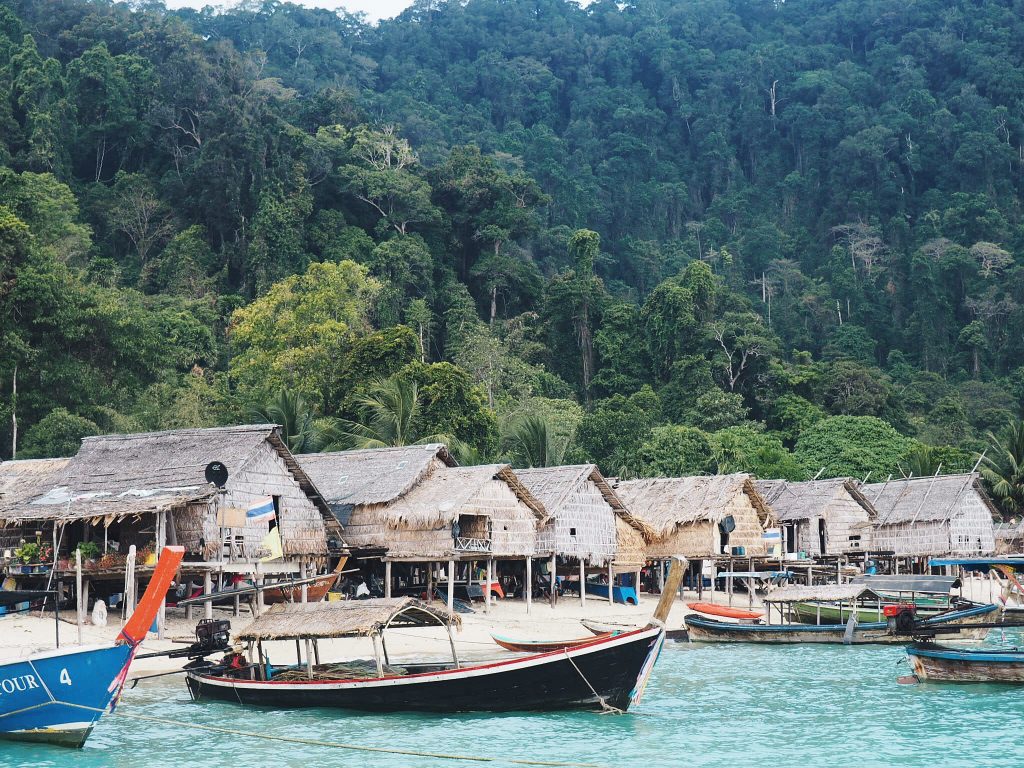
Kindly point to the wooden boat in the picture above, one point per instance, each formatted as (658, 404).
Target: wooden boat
(707, 630)
(602, 627)
(544, 646)
(624, 595)
(610, 672)
(316, 591)
(724, 611)
(57, 696)
(955, 665)
(814, 612)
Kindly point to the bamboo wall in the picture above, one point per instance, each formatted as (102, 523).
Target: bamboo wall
(703, 539)
(969, 531)
(582, 527)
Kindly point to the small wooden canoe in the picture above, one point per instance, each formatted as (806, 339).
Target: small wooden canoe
(603, 628)
(724, 611)
(315, 591)
(546, 646)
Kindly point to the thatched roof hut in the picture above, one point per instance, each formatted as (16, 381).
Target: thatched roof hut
(129, 479)
(685, 513)
(350, 479)
(941, 515)
(820, 517)
(20, 481)
(829, 593)
(1009, 538)
(588, 520)
(412, 503)
(348, 618)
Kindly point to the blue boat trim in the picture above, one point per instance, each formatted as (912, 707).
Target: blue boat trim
(698, 621)
(1008, 656)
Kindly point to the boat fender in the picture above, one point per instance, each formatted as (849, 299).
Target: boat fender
(99, 614)
(851, 626)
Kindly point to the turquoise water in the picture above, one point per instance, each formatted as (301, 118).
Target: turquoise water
(707, 705)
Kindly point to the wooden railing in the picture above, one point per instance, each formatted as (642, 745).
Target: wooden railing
(467, 544)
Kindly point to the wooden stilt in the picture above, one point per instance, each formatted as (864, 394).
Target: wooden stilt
(451, 585)
(528, 587)
(207, 589)
(554, 577)
(583, 582)
(161, 542)
(611, 583)
(78, 593)
(430, 582)
(309, 656)
(487, 586)
(387, 578)
(304, 571)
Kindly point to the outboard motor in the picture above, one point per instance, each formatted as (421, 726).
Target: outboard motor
(901, 618)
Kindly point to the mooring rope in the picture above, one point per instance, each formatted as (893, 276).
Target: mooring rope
(353, 747)
(605, 706)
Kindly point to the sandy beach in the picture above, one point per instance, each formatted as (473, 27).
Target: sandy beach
(24, 634)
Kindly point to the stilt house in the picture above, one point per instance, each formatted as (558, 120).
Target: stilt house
(699, 517)
(150, 489)
(19, 481)
(588, 520)
(941, 515)
(413, 503)
(820, 517)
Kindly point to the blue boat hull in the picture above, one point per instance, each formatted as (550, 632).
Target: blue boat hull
(624, 595)
(57, 697)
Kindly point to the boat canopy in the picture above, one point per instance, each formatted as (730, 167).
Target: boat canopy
(937, 585)
(979, 563)
(347, 618)
(831, 593)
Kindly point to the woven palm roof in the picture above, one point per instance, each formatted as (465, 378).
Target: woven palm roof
(800, 501)
(372, 475)
(449, 492)
(924, 498)
(666, 502)
(554, 485)
(832, 593)
(27, 478)
(346, 618)
(123, 475)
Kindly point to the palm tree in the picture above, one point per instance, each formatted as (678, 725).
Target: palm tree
(389, 415)
(530, 442)
(1003, 470)
(297, 420)
(922, 462)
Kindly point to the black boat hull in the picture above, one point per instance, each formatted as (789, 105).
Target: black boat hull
(570, 679)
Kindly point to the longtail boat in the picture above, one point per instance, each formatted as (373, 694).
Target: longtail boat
(543, 646)
(724, 611)
(603, 627)
(57, 696)
(977, 665)
(606, 673)
(852, 633)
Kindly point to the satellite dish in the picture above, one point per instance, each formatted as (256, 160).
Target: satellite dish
(216, 473)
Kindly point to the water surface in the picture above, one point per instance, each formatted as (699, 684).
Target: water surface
(728, 706)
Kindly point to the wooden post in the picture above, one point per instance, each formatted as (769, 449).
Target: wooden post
(583, 583)
(731, 569)
(130, 584)
(661, 576)
(309, 655)
(387, 578)
(304, 570)
(161, 542)
(487, 586)
(554, 577)
(611, 584)
(78, 592)
(528, 588)
(451, 585)
(207, 589)
(430, 582)
(260, 605)
(668, 595)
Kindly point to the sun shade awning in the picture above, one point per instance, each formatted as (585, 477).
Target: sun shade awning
(832, 593)
(937, 585)
(350, 618)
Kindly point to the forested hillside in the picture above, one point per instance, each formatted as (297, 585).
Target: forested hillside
(669, 237)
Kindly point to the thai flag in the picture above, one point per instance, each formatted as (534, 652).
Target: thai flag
(260, 510)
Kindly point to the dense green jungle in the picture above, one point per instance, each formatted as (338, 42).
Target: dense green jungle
(666, 237)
